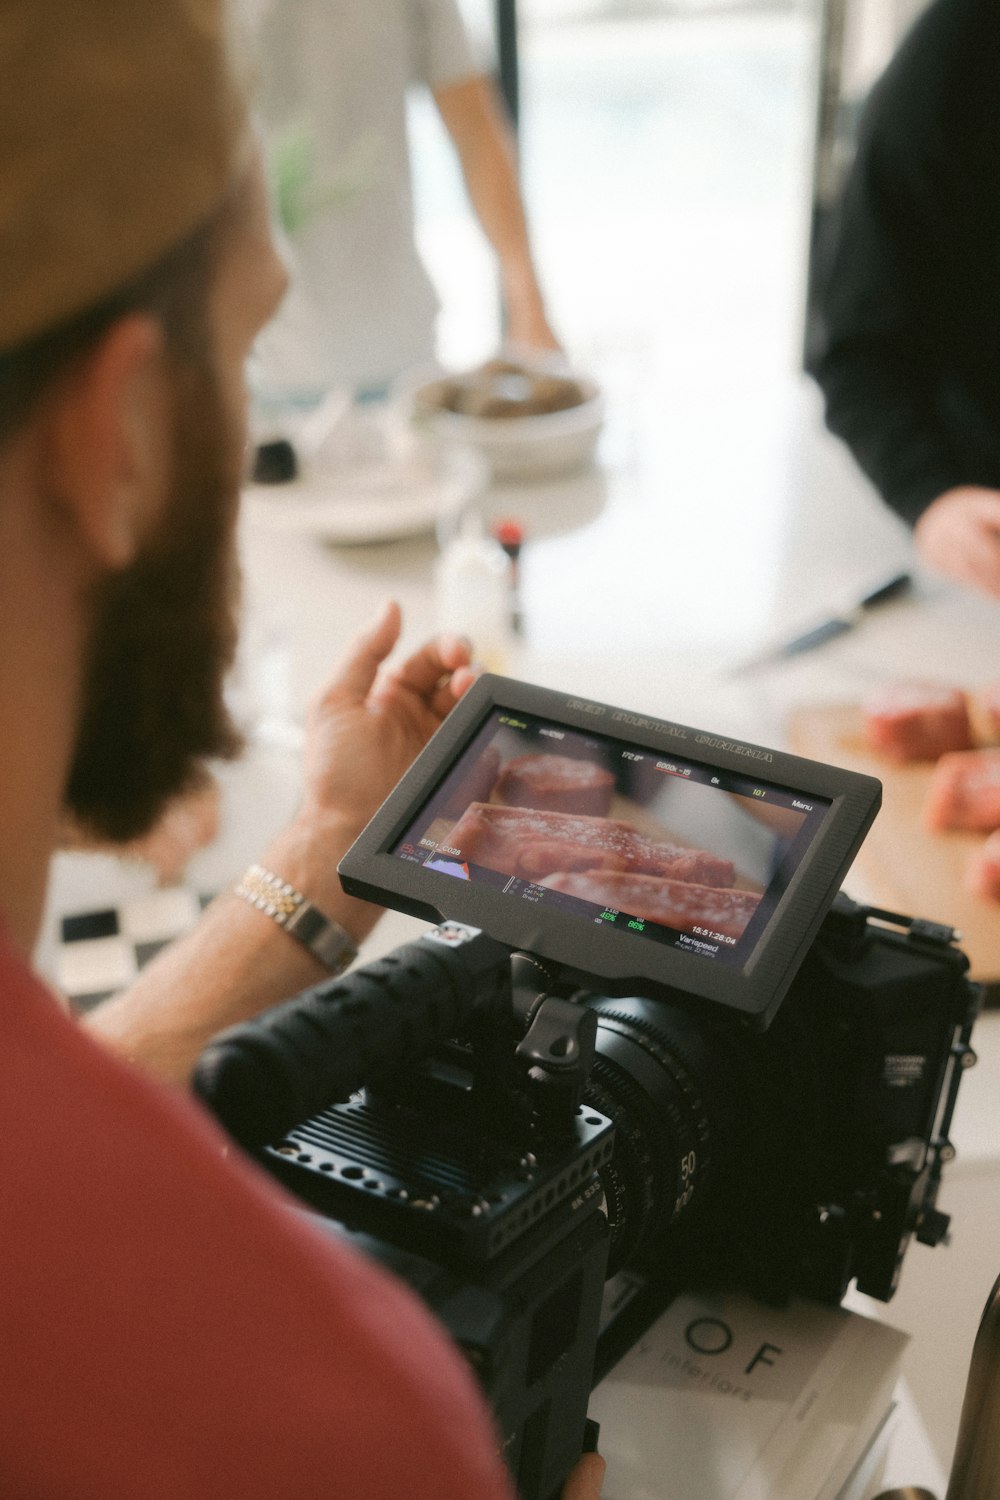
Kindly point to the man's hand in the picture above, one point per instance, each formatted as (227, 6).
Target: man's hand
(364, 730)
(367, 725)
(584, 1483)
(959, 534)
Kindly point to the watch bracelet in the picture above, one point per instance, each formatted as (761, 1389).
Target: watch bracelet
(278, 899)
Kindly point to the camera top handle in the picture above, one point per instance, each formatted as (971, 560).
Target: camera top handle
(264, 1076)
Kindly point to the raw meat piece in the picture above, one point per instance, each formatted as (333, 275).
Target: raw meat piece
(557, 782)
(531, 843)
(983, 872)
(965, 792)
(986, 707)
(917, 720)
(674, 903)
(476, 785)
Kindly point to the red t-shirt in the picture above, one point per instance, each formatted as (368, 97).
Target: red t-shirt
(169, 1329)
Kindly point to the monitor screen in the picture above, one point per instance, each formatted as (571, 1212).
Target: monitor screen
(665, 848)
(632, 855)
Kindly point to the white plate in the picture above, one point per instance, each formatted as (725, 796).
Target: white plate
(374, 502)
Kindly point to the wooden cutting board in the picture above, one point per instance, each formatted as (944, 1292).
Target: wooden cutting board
(901, 865)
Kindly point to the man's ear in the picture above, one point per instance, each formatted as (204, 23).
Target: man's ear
(110, 440)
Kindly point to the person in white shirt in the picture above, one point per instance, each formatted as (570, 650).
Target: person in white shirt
(335, 77)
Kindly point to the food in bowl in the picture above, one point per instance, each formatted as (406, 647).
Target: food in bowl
(528, 421)
(500, 389)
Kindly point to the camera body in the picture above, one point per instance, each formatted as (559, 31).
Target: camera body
(553, 1112)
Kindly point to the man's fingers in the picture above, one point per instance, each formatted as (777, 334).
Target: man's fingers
(448, 694)
(439, 672)
(586, 1479)
(422, 672)
(355, 674)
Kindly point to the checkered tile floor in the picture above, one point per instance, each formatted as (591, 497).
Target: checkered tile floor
(101, 952)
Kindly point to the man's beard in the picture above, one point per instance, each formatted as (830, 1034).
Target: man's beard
(153, 710)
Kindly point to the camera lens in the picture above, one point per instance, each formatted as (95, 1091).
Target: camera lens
(670, 1086)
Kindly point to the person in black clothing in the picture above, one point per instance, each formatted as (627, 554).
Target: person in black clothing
(905, 341)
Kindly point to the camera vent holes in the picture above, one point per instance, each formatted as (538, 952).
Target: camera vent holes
(357, 1174)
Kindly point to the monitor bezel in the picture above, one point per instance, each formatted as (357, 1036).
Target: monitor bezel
(596, 956)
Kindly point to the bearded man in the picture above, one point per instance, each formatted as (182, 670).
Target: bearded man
(168, 1327)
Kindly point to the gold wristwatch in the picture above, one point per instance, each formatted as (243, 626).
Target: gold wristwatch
(325, 938)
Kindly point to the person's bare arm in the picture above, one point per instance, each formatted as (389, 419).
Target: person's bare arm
(364, 730)
(959, 534)
(474, 117)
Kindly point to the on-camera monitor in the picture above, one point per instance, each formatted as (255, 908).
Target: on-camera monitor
(592, 835)
(662, 847)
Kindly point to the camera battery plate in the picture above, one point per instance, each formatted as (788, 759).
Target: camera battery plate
(402, 1175)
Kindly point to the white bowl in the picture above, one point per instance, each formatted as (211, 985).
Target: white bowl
(525, 448)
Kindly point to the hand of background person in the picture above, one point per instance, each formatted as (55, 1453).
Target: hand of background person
(528, 326)
(369, 722)
(584, 1483)
(959, 534)
(186, 825)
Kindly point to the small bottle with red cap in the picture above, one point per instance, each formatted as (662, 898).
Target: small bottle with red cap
(510, 534)
(472, 585)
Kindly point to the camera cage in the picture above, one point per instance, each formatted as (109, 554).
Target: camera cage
(613, 959)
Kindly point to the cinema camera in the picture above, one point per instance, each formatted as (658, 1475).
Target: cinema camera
(647, 1047)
